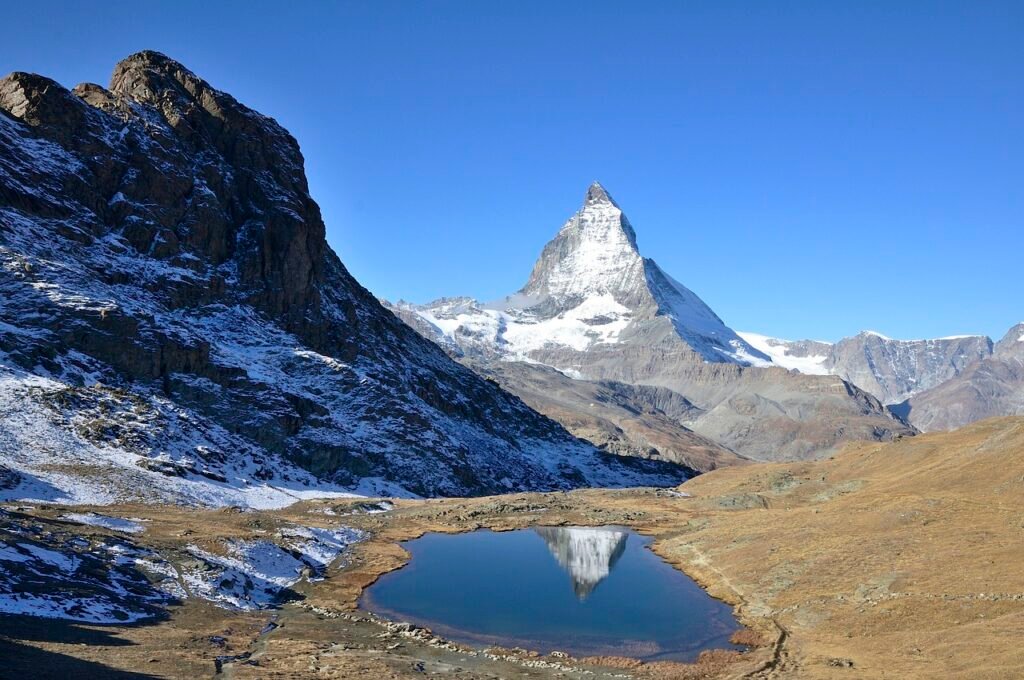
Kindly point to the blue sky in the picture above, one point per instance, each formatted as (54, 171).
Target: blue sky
(810, 169)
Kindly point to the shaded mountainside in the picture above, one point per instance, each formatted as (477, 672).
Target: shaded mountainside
(161, 258)
(596, 310)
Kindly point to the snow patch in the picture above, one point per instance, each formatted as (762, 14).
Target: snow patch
(256, 574)
(128, 526)
(779, 352)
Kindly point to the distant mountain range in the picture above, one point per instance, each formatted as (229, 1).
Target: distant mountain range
(937, 384)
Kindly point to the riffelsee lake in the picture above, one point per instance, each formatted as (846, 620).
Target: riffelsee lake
(582, 590)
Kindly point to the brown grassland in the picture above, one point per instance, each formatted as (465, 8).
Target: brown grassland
(899, 560)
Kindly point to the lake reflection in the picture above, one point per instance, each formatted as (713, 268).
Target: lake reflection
(587, 553)
(582, 590)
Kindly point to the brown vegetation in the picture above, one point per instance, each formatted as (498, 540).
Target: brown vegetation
(896, 560)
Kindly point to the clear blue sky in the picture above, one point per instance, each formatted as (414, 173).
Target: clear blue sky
(809, 168)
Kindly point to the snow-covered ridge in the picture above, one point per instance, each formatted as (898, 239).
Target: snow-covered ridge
(805, 356)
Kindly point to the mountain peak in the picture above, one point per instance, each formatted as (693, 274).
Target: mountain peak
(1012, 339)
(594, 252)
(596, 193)
(149, 76)
(594, 268)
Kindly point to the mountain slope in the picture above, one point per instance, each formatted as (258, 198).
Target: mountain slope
(888, 560)
(991, 386)
(596, 310)
(634, 420)
(158, 238)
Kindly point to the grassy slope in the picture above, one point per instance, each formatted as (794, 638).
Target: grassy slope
(904, 558)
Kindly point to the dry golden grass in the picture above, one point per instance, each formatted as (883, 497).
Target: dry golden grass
(890, 560)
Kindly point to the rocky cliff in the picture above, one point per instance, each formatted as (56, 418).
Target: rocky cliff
(991, 386)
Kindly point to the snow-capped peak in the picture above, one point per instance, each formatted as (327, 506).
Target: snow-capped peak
(590, 287)
(594, 253)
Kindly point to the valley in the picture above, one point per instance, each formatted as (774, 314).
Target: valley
(830, 565)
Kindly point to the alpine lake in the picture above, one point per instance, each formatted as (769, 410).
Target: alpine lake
(586, 591)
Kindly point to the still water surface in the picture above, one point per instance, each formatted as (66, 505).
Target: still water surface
(582, 590)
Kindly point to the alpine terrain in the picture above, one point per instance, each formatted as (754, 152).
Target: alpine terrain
(174, 326)
(197, 400)
(990, 386)
(936, 384)
(595, 310)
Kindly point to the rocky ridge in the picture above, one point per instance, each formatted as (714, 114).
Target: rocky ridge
(892, 370)
(935, 384)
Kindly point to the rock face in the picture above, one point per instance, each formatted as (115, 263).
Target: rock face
(892, 370)
(938, 384)
(991, 386)
(596, 310)
(161, 258)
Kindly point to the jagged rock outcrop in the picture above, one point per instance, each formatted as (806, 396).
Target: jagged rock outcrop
(596, 310)
(158, 239)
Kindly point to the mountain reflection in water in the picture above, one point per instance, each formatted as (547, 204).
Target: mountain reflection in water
(587, 553)
(503, 588)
